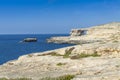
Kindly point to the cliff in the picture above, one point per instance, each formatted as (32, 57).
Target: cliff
(97, 59)
(99, 33)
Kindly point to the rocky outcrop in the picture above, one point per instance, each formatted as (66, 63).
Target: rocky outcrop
(87, 62)
(58, 40)
(30, 40)
(95, 60)
(78, 32)
(99, 33)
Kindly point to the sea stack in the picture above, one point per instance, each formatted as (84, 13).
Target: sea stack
(30, 40)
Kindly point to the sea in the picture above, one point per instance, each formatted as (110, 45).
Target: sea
(11, 46)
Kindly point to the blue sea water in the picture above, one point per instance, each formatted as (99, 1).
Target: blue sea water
(11, 48)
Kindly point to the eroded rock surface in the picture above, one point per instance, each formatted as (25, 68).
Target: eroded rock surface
(101, 33)
(97, 59)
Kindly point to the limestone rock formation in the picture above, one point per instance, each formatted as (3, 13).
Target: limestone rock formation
(106, 32)
(77, 32)
(97, 59)
(30, 40)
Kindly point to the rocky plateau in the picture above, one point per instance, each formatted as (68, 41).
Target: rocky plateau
(96, 56)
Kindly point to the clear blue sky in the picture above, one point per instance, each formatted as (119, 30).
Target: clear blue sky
(55, 16)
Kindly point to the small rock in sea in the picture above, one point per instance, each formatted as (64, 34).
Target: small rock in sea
(30, 40)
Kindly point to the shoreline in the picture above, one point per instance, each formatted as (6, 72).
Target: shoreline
(96, 60)
(13, 47)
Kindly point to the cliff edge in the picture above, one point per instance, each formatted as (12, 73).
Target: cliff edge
(105, 32)
(98, 58)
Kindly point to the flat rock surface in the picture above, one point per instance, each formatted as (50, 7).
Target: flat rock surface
(36, 67)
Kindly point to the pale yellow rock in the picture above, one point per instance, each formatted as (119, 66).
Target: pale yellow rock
(103, 40)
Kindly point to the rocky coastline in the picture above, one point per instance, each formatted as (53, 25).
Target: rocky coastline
(89, 35)
(95, 57)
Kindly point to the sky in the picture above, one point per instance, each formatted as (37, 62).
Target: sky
(55, 16)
